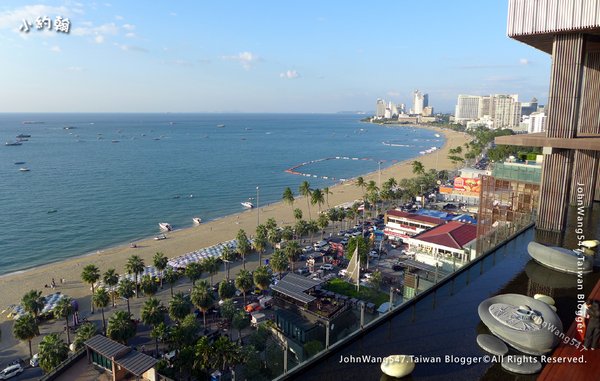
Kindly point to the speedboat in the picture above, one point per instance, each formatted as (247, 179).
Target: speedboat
(164, 226)
(197, 220)
(522, 322)
(13, 143)
(19, 162)
(24, 169)
(561, 259)
(247, 204)
(160, 237)
(21, 136)
(220, 125)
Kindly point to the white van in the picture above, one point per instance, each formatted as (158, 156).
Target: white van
(11, 371)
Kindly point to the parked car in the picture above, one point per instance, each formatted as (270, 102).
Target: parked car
(343, 272)
(341, 232)
(373, 254)
(307, 249)
(302, 270)
(326, 267)
(253, 307)
(35, 360)
(11, 371)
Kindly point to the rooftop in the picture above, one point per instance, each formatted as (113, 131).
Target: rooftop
(454, 234)
(295, 286)
(415, 217)
(133, 361)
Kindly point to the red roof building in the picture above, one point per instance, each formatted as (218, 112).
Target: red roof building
(399, 224)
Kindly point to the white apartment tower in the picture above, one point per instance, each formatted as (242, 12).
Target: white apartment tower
(419, 102)
(505, 111)
(380, 108)
(467, 108)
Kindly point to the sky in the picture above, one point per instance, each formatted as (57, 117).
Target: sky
(260, 56)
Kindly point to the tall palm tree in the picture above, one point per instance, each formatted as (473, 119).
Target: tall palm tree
(101, 300)
(135, 265)
(153, 313)
(323, 222)
(261, 277)
(244, 282)
(111, 279)
(226, 353)
(226, 289)
(194, 271)
(171, 277)
(305, 191)
(203, 355)
(160, 262)
(317, 198)
(279, 261)
(26, 328)
(228, 255)
(84, 333)
(361, 183)
(33, 302)
(126, 289)
(52, 351)
(160, 332)
(121, 327)
(243, 246)
(418, 168)
(292, 251)
(64, 309)
(372, 192)
(298, 214)
(211, 266)
(179, 307)
(327, 192)
(260, 245)
(288, 197)
(148, 285)
(90, 275)
(203, 298)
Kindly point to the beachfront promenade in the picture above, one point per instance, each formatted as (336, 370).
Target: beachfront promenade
(178, 243)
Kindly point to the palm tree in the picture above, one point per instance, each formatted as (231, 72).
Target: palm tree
(260, 245)
(211, 265)
(262, 278)
(148, 285)
(279, 261)
(244, 283)
(135, 265)
(323, 222)
(306, 192)
(360, 182)
(298, 214)
(288, 197)
(111, 279)
(228, 255)
(203, 355)
(327, 192)
(101, 300)
(90, 275)
(85, 332)
(274, 236)
(160, 262)
(170, 277)
(226, 353)
(372, 192)
(26, 328)
(33, 302)
(52, 351)
(226, 289)
(126, 289)
(240, 321)
(179, 307)
(153, 313)
(160, 332)
(271, 223)
(418, 168)
(64, 309)
(317, 198)
(121, 327)
(292, 250)
(243, 246)
(287, 233)
(203, 298)
(194, 271)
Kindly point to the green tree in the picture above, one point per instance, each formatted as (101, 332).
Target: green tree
(135, 265)
(33, 302)
(243, 246)
(244, 283)
(153, 313)
(203, 355)
(240, 321)
(361, 183)
(292, 251)
(279, 261)
(211, 266)
(226, 289)
(101, 299)
(85, 332)
(298, 214)
(317, 198)
(63, 310)
(194, 271)
(126, 289)
(417, 167)
(305, 191)
(327, 192)
(258, 339)
(26, 328)
(160, 262)
(170, 276)
(323, 223)
(363, 248)
(111, 279)
(52, 351)
(288, 196)
(161, 333)
(271, 223)
(121, 327)
(262, 278)
(203, 298)
(274, 236)
(226, 353)
(186, 332)
(179, 307)
(227, 255)
(260, 245)
(148, 285)
(90, 275)
(228, 309)
(287, 233)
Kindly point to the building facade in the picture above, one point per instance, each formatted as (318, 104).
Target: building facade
(467, 108)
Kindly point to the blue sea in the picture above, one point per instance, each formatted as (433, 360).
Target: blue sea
(97, 180)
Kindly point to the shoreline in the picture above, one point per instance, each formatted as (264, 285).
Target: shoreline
(191, 238)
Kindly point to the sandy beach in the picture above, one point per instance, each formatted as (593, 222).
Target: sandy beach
(186, 240)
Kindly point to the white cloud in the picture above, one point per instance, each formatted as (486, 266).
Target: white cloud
(131, 48)
(290, 74)
(55, 48)
(118, 17)
(99, 39)
(88, 29)
(128, 27)
(246, 59)
(75, 68)
(172, 14)
(524, 61)
(130, 35)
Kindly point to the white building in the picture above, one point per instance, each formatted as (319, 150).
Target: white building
(536, 122)
(467, 108)
(380, 108)
(419, 102)
(505, 110)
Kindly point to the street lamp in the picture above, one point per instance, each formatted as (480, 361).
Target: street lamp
(257, 208)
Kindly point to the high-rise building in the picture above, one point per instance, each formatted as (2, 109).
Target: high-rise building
(380, 108)
(536, 123)
(505, 110)
(420, 100)
(529, 107)
(484, 107)
(467, 108)
(427, 111)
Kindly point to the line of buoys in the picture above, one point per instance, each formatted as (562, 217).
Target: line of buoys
(293, 170)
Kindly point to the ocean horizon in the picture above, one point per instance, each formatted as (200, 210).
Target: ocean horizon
(98, 180)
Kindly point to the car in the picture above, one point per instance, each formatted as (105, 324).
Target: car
(344, 241)
(307, 249)
(11, 371)
(343, 273)
(253, 307)
(373, 254)
(35, 360)
(326, 267)
(302, 270)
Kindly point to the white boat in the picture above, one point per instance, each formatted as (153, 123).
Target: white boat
(220, 125)
(197, 220)
(437, 135)
(24, 169)
(160, 237)
(247, 204)
(165, 226)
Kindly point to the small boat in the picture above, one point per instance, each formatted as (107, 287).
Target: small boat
(21, 136)
(220, 125)
(437, 135)
(165, 226)
(24, 169)
(32, 122)
(247, 204)
(197, 220)
(69, 128)
(561, 259)
(160, 237)
(19, 162)
(13, 143)
(52, 211)
(115, 141)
